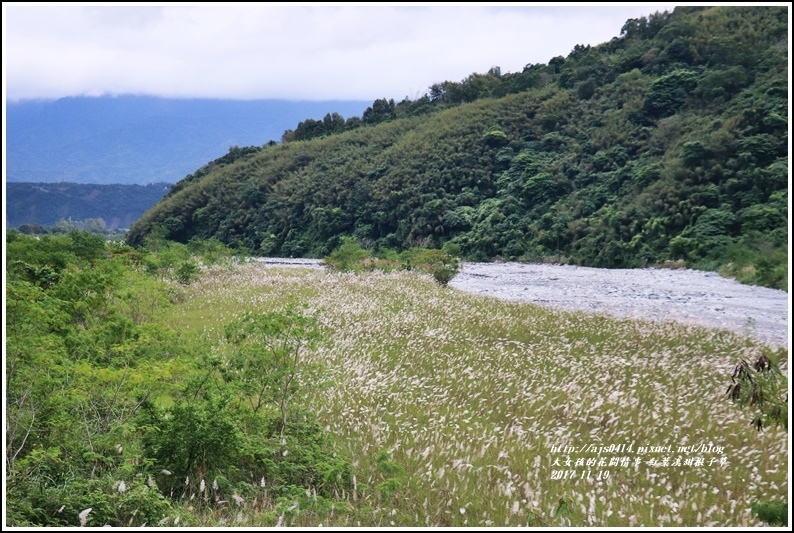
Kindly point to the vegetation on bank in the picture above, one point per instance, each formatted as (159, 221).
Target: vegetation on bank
(177, 385)
(351, 257)
(115, 418)
(669, 142)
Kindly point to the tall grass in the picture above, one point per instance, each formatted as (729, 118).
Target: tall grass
(470, 397)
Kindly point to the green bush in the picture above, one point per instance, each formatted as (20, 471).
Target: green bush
(438, 263)
(773, 513)
(348, 257)
(187, 272)
(270, 366)
(300, 457)
(195, 437)
(109, 500)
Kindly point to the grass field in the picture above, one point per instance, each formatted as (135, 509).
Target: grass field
(475, 402)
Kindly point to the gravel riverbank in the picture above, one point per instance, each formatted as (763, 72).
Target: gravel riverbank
(689, 296)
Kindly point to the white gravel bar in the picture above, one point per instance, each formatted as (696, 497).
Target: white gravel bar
(688, 296)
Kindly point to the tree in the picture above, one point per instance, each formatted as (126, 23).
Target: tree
(668, 93)
(270, 361)
(333, 122)
(438, 263)
(381, 111)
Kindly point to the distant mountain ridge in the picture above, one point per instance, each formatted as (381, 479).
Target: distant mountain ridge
(142, 139)
(47, 203)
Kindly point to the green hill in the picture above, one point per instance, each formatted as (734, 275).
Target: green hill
(669, 142)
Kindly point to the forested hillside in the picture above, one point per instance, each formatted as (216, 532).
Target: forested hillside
(668, 142)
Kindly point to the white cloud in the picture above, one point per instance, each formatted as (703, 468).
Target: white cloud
(296, 52)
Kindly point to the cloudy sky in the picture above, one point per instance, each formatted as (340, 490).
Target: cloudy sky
(297, 52)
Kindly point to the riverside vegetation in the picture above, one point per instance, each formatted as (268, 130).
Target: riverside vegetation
(178, 384)
(667, 143)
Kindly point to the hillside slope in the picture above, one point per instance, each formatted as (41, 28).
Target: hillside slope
(670, 142)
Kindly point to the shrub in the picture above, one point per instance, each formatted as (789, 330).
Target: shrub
(195, 436)
(187, 272)
(438, 263)
(773, 513)
(763, 388)
(270, 364)
(347, 257)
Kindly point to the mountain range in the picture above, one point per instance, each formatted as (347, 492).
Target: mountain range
(142, 139)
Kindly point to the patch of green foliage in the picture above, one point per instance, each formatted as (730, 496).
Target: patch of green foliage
(773, 513)
(348, 257)
(351, 257)
(114, 418)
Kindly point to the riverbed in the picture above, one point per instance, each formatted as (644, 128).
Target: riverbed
(688, 296)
